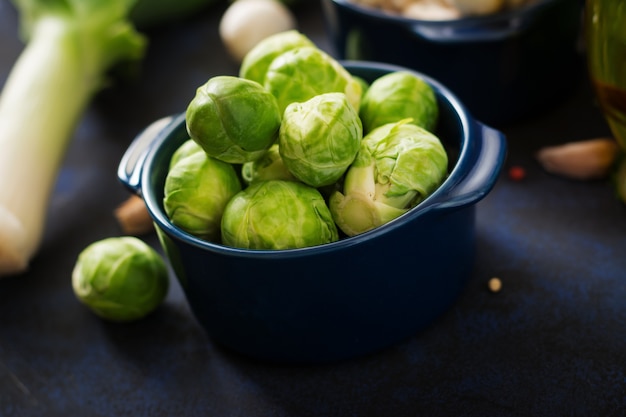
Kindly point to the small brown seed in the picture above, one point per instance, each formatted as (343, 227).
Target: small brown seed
(495, 284)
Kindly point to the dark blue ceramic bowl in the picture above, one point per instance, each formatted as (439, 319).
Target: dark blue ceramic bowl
(504, 68)
(342, 299)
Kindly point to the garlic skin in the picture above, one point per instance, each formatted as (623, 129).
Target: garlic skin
(443, 9)
(246, 22)
(431, 10)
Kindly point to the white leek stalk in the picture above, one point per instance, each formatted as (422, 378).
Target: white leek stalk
(70, 46)
(34, 134)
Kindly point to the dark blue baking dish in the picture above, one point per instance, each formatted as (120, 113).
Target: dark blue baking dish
(342, 299)
(505, 67)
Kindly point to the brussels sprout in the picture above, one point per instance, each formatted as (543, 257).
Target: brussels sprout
(277, 215)
(364, 85)
(120, 278)
(398, 166)
(233, 119)
(319, 139)
(303, 73)
(196, 191)
(189, 147)
(268, 167)
(396, 96)
(256, 62)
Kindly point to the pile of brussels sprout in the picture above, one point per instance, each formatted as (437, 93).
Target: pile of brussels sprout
(296, 152)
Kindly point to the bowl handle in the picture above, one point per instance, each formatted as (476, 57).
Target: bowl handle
(485, 158)
(129, 170)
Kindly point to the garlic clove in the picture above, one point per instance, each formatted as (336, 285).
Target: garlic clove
(587, 159)
(246, 22)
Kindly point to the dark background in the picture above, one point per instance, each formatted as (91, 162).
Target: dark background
(551, 343)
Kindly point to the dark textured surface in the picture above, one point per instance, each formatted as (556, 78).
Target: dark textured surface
(551, 343)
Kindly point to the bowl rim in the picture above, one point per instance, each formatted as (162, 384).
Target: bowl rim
(465, 120)
(375, 13)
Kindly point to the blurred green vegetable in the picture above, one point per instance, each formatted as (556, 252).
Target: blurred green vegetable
(277, 215)
(257, 61)
(197, 188)
(233, 119)
(71, 44)
(319, 138)
(302, 73)
(120, 278)
(396, 96)
(398, 166)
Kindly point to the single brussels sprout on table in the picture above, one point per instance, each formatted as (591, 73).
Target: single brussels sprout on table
(256, 62)
(396, 96)
(197, 188)
(303, 73)
(270, 166)
(397, 167)
(120, 278)
(319, 138)
(277, 215)
(233, 119)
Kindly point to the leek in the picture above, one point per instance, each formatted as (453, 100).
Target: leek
(70, 45)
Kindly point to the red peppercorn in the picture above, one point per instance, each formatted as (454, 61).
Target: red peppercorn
(517, 173)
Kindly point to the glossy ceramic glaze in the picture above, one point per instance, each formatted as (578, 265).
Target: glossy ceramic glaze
(338, 300)
(504, 67)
